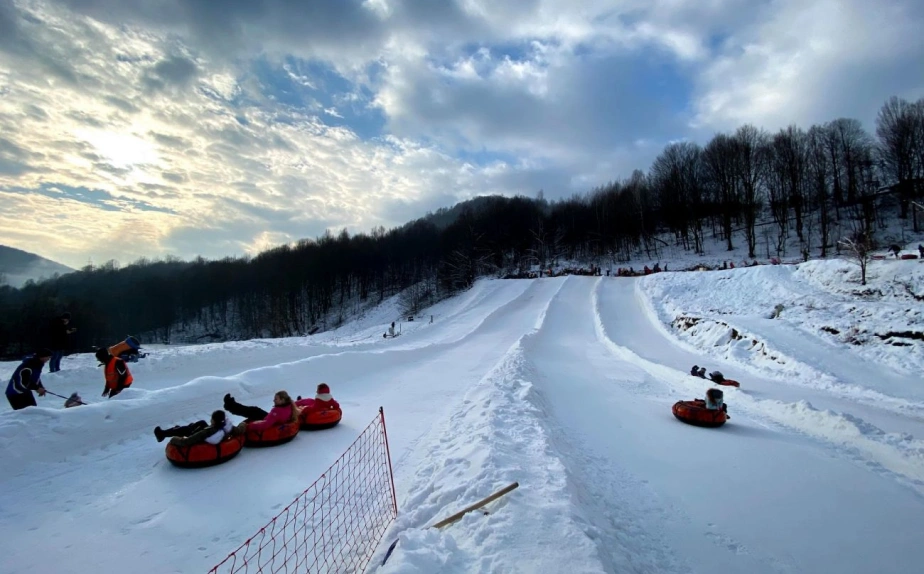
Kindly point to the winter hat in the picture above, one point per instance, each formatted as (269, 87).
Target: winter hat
(218, 417)
(102, 355)
(323, 389)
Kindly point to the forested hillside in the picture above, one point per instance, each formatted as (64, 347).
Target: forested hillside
(820, 185)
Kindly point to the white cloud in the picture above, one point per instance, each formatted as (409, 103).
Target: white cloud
(808, 62)
(158, 105)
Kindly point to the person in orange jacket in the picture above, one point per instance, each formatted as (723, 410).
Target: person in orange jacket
(117, 375)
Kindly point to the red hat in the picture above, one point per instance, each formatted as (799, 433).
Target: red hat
(323, 388)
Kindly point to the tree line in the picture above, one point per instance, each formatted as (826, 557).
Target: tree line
(822, 184)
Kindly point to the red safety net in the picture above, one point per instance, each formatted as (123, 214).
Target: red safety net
(333, 526)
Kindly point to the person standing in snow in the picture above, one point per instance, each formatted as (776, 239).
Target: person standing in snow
(27, 378)
(58, 332)
(118, 377)
(322, 400)
(201, 431)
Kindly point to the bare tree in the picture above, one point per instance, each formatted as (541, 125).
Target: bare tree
(720, 169)
(676, 175)
(787, 186)
(859, 248)
(900, 129)
(751, 152)
(849, 148)
(819, 172)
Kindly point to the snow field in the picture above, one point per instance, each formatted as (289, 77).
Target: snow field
(561, 384)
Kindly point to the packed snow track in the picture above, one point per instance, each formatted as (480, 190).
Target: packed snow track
(562, 384)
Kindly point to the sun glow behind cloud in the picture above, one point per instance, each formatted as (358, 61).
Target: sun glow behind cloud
(120, 149)
(224, 128)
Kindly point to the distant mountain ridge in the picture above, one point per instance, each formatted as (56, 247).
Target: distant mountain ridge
(18, 266)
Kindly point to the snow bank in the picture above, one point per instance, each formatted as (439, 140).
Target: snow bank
(494, 439)
(734, 315)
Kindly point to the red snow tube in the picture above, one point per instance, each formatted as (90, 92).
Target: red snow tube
(277, 434)
(205, 454)
(311, 419)
(728, 383)
(695, 413)
(907, 256)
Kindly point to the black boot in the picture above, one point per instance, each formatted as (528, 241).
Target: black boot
(159, 433)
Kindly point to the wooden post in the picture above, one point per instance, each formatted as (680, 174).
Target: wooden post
(455, 517)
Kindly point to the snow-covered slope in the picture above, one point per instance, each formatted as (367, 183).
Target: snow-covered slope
(563, 385)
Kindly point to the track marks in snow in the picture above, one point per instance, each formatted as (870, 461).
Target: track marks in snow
(897, 455)
(614, 508)
(492, 439)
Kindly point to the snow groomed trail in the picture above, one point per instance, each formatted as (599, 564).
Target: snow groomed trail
(578, 412)
(563, 384)
(93, 484)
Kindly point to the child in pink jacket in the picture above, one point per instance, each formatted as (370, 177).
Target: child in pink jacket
(284, 411)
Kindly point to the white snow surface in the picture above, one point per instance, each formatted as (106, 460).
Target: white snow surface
(564, 385)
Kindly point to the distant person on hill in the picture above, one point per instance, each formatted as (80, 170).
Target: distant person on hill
(58, 333)
(284, 411)
(895, 249)
(697, 371)
(118, 377)
(27, 378)
(322, 400)
(201, 431)
(391, 330)
(921, 250)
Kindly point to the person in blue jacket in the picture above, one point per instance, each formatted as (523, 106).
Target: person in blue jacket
(27, 378)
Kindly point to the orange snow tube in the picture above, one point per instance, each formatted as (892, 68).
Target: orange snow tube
(129, 345)
(728, 383)
(277, 434)
(311, 419)
(205, 454)
(695, 413)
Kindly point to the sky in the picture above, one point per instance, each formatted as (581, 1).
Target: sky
(147, 128)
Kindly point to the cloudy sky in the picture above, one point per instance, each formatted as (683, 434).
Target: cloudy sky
(134, 128)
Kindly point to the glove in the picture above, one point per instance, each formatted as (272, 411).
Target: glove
(41, 391)
(105, 392)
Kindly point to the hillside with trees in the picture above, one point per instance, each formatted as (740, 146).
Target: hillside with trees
(821, 185)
